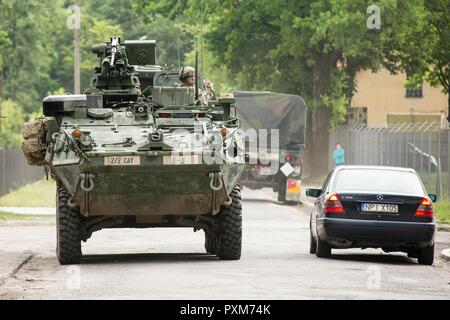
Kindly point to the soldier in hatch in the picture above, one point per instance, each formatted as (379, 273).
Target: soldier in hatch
(209, 88)
(187, 78)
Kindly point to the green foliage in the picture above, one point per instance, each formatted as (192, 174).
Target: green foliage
(337, 100)
(442, 209)
(415, 81)
(438, 59)
(11, 125)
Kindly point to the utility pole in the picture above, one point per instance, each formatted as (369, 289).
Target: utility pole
(76, 51)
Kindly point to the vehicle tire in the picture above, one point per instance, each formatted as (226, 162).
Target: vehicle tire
(282, 191)
(312, 244)
(323, 249)
(210, 244)
(426, 255)
(229, 237)
(68, 230)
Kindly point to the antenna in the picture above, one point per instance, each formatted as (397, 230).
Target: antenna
(196, 77)
(201, 35)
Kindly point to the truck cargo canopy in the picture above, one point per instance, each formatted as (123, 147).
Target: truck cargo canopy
(268, 110)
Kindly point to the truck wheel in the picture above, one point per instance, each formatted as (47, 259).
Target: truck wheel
(426, 255)
(210, 244)
(323, 249)
(68, 226)
(282, 191)
(229, 237)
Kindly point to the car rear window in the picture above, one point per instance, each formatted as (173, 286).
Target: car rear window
(376, 180)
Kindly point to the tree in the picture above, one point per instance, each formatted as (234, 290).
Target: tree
(11, 129)
(438, 61)
(3, 41)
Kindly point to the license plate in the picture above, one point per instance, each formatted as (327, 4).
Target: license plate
(379, 207)
(180, 159)
(123, 161)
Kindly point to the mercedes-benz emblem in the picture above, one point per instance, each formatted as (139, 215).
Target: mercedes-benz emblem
(380, 197)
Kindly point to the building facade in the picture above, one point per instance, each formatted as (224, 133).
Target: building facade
(382, 99)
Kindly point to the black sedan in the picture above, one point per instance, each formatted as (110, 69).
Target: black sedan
(373, 207)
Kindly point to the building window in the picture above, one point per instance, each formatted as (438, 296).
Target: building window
(357, 115)
(412, 92)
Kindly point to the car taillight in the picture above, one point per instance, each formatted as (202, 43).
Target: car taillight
(333, 204)
(425, 209)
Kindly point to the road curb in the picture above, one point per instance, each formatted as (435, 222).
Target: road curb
(16, 265)
(445, 254)
(443, 227)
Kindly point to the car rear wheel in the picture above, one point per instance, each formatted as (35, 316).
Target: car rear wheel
(312, 242)
(229, 238)
(426, 255)
(68, 229)
(323, 249)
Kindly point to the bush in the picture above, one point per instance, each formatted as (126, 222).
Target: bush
(11, 125)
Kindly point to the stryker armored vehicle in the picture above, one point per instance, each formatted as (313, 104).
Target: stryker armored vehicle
(136, 150)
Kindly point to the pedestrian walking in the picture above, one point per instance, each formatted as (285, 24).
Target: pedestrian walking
(339, 155)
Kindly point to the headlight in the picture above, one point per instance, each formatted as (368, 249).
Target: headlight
(86, 140)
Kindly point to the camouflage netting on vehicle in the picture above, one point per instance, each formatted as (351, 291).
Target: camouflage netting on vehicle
(33, 146)
(268, 110)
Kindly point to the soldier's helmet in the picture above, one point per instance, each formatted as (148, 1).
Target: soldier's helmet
(186, 72)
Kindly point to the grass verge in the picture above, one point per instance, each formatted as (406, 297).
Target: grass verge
(442, 209)
(7, 216)
(36, 194)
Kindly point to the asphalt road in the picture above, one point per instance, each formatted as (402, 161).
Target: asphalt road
(171, 264)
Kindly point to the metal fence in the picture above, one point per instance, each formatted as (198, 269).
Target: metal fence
(422, 146)
(15, 172)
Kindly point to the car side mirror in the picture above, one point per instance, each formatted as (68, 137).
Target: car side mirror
(314, 193)
(433, 197)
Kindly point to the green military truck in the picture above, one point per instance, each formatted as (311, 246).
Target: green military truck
(279, 168)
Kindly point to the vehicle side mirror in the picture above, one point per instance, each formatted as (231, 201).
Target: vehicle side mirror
(433, 197)
(314, 193)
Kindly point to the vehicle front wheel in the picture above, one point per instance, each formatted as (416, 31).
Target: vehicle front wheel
(68, 229)
(426, 255)
(210, 243)
(323, 249)
(229, 237)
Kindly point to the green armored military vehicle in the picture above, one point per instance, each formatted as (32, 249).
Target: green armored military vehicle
(138, 151)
